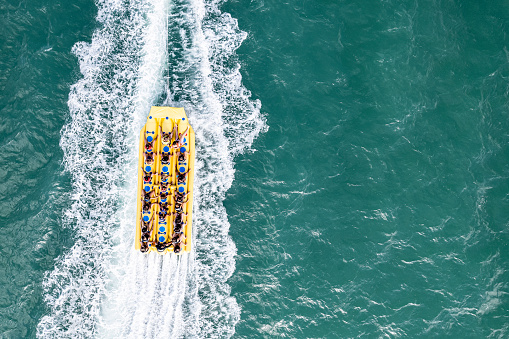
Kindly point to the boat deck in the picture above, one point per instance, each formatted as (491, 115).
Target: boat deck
(165, 182)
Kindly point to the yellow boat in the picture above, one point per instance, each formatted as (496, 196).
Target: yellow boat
(165, 183)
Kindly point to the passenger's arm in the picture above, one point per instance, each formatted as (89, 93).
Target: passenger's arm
(182, 135)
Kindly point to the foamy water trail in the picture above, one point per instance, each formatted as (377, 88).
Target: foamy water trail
(101, 287)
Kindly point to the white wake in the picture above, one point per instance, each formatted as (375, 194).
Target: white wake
(101, 287)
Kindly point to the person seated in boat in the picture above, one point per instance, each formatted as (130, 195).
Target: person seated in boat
(163, 195)
(179, 197)
(178, 208)
(175, 238)
(180, 224)
(148, 145)
(180, 194)
(148, 196)
(147, 206)
(181, 178)
(179, 141)
(163, 205)
(144, 247)
(176, 248)
(182, 135)
(182, 156)
(146, 226)
(178, 238)
(166, 137)
(165, 158)
(164, 177)
(164, 187)
(147, 176)
(179, 216)
(162, 214)
(149, 158)
(146, 229)
(177, 229)
(176, 213)
(178, 219)
(161, 246)
(145, 237)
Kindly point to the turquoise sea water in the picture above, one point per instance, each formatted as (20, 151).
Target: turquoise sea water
(352, 176)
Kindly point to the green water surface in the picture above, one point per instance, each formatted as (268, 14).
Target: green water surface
(376, 204)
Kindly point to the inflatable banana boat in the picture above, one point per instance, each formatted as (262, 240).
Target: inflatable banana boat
(165, 183)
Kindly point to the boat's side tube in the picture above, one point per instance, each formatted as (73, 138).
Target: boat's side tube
(191, 190)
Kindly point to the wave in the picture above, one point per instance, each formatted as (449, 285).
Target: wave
(101, 287)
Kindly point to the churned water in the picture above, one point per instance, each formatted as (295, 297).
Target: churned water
(351, 177)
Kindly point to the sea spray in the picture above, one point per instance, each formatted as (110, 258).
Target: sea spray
(196, 301)
(226, 121)
(96, 141)
(102, 287)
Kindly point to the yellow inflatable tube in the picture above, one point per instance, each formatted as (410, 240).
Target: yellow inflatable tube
(165, 183)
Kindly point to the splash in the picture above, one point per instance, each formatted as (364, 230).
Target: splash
(101, 287)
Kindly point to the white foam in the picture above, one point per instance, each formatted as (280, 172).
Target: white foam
(101, 287)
